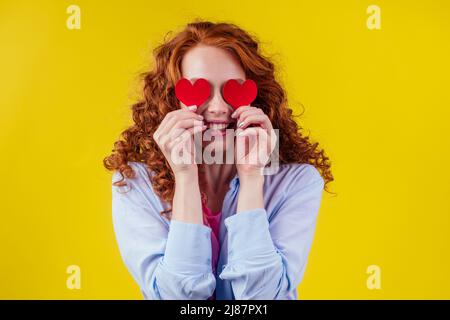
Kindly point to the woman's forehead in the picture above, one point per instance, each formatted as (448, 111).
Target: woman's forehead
(213, 64)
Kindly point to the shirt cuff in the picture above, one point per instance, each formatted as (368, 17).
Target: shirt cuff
(188, 247)
(248, 234)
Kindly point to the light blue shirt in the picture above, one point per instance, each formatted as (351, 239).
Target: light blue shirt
(263, 251)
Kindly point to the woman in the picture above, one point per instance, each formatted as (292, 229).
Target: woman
(214, 230)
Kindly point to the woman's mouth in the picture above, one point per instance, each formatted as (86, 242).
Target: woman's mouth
(219, 128)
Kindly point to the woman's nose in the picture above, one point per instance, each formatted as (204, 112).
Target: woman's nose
(217, 106)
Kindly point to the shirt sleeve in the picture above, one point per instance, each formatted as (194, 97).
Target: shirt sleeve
(169, 261)
(267, 260)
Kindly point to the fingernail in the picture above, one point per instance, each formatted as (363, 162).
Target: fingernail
(241, 133)
(241, 124)
(192, 107)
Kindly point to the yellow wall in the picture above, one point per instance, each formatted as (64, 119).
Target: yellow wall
(377, 101)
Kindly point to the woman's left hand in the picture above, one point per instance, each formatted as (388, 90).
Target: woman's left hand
(254, 153)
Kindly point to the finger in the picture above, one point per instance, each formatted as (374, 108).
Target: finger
(252, 131)
(258, 134)
(259, 119)
(182, 126)
(249, 143)
(174, 117)
(259, 149)
(264, 145)
(272, 140)
(179, 144)
(192, 108)
(239, 110)
(162, 126)
(241, 135)
(185, 135)
(186, 124)
(248, 112)
(265, 150)
(241, 145)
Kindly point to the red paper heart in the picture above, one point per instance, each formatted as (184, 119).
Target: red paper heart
(192, 94)
(238, 95)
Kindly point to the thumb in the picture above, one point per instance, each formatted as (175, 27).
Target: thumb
(192, 108)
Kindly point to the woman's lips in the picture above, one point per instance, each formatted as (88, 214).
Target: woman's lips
(217, 128)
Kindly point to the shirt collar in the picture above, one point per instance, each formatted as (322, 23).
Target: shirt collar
(234, 182)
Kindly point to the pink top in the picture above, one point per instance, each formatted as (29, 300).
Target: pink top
(212, 220)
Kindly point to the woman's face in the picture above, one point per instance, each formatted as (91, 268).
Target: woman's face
(217, 66)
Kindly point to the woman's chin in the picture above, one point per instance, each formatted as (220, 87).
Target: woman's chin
(216, 149)
(217, 145)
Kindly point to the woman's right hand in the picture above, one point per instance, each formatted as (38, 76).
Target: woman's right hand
(175, 133)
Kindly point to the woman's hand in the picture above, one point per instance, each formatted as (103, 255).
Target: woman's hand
(253, 152)
(175, 134)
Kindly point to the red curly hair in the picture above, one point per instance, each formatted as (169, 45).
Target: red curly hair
(137, 143)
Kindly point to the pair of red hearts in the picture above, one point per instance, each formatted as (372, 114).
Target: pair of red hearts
(234, 93)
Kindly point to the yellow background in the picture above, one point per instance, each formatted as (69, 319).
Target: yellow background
(376, 100)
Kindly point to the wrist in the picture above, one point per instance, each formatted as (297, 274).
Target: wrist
(250, 192)
(188, 176)
(251, 180)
